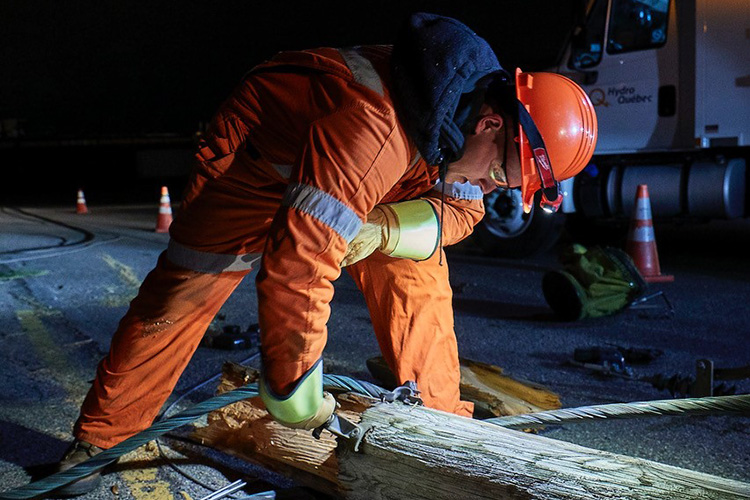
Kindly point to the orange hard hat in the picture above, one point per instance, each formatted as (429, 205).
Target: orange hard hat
(557, 136)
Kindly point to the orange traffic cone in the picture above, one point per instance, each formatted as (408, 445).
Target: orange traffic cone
(81, 207)
(641, 243)
(165, 212)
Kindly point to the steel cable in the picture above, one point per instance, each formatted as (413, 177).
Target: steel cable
(348, 384)
(161, 427)
(108, 456)
(693, 406)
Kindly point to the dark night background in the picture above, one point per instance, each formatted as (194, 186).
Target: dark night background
(92, 85)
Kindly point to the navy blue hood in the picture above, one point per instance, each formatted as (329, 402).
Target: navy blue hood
(441, 69)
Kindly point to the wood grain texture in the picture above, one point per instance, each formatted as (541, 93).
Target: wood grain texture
(450, 457)
(419, 453)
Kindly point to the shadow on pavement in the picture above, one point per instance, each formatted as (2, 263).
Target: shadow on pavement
(503, 310)
(39, 453)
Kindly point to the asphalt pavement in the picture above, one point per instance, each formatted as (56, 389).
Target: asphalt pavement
(67, 280)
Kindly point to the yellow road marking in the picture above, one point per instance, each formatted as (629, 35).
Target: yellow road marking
(127, 277)
(14, 275)
(144, 485)
(50, 353)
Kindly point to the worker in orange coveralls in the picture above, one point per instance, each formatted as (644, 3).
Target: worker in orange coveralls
(330, 158)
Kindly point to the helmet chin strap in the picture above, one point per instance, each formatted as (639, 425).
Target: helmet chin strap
(551, 193)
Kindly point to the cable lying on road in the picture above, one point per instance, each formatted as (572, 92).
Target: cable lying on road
(694, 406)
(720, 404)
(160, 428)
(87, 240)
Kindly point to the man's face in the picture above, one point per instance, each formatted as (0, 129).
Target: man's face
(489, 148)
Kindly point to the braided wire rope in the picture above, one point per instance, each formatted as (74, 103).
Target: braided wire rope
(694, 406)
(161, 427)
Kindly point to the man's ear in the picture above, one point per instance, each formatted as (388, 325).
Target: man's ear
(491, 122)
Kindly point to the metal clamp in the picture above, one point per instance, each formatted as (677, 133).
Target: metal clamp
(343, 428)
(407, 394)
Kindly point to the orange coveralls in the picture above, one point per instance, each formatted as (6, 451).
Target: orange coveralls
(294, 160)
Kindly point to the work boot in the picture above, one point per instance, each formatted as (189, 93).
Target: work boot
(79, 451)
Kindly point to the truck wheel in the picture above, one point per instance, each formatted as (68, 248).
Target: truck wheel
(505, 231)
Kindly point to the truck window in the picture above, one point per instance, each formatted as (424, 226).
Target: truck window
(637, 25)
(587, 43)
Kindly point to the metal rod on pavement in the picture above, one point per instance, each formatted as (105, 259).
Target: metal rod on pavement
(226, 490)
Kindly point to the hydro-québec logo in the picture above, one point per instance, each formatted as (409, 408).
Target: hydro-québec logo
(625, 94)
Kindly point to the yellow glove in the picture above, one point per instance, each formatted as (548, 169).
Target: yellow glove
(408, 229)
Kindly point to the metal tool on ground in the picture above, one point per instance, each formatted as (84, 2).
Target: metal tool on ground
(226, 490)
(704, 382)
(616, 361)
(613, 360)
(230, 337)
(666, 311)
(607, 361)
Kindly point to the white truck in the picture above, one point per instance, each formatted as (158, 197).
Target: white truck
(670, 80)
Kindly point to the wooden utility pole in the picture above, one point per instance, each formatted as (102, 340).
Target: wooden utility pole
(418, 453)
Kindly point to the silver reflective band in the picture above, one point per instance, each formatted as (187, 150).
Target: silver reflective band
(362, 69)
(207, 262)
(643, 234)
(325, 208)
(414, 161)
(461, 190)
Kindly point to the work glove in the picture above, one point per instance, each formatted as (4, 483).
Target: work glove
(306, 407)
(374, 232)
(408, 229)
(325, 410)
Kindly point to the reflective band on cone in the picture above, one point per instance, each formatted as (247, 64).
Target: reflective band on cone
(165, 212)
(81, 207)
(641, 243)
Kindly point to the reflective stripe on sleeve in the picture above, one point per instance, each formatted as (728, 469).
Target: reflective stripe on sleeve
(325, 208)
(362, 69)
(461, 190)
(207, 262)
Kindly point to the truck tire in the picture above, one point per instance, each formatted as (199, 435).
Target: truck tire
(505, 231)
